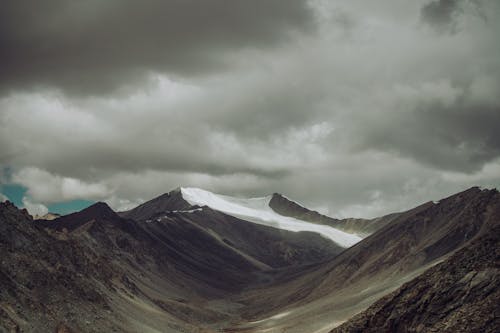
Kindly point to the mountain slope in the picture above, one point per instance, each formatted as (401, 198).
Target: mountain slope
(103, 273)
(459, 295)
(46, 281)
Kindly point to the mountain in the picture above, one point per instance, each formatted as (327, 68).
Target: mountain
(237, 225)
(94, 271)
(99, 211)
(334, 290)
(258, 210)
(184, 265)
(362, 227)
(194, 261)
(287, 207)
(459, 295)
(45, 281)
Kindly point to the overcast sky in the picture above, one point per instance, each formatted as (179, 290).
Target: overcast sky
(355, 108)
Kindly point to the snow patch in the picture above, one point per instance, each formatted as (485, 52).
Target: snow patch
(166, 217)
(189, 211)
(257, 210)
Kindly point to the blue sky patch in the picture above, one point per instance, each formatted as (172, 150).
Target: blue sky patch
(15, 193)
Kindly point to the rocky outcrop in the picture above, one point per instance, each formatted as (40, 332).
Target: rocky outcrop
(459, 295)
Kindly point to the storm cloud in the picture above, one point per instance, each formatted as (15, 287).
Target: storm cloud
(353, 108)
(94, 47)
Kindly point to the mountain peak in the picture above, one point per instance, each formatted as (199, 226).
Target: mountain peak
(99, 209)
(169, 201)
(278, 196)
(288, 207)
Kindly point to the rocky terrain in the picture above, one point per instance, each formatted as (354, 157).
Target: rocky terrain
(459, 295)
(169, 266)
(48, 281)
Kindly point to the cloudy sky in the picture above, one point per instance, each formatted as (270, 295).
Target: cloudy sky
(355, 108)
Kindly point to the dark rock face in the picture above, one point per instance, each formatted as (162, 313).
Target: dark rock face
(363, 227)
(461, 294)
(286, 207)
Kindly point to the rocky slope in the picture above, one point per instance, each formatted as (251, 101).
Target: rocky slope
(459, 295)
(97, 272)
(46, 282)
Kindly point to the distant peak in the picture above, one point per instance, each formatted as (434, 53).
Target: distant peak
(168, 201)
(278, 197)
(101, 205)
(99, 208)
(176, 190)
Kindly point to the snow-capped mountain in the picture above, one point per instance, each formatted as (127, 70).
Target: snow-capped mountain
(258, 210)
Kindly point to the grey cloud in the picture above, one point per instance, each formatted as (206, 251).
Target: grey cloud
(461, 134)
(359, 119)
(95, 47)
(441, 14)
(444, 15)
